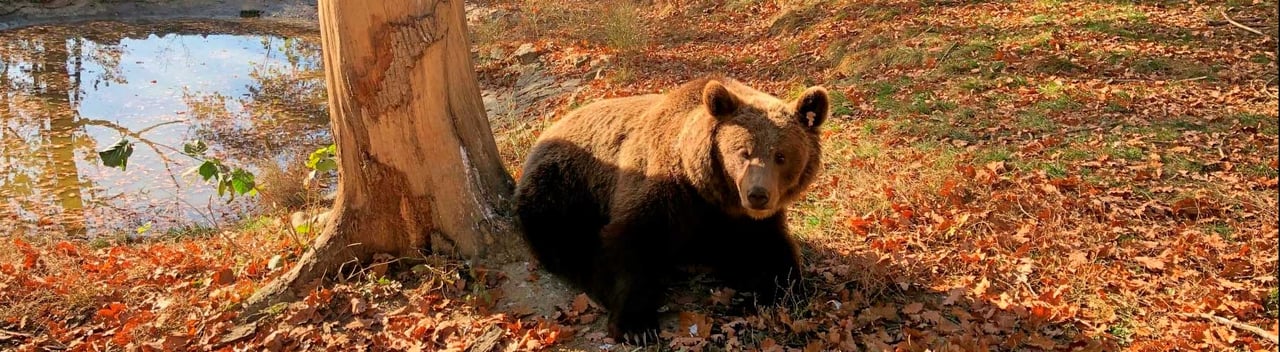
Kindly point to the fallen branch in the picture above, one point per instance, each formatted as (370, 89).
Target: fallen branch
(948, 53)
(15, 333)
(1241, 26)
(1235, 324)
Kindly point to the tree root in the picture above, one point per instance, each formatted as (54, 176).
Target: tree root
(330, 251)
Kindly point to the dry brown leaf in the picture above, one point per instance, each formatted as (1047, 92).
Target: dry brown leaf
(1150, 263)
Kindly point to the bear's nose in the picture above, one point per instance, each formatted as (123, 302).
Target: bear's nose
(758, 197)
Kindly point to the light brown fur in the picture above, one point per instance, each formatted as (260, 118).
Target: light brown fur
(636, 132)
(620, 191)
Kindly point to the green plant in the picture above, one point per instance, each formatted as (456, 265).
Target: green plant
(322, 160)
(231, 181)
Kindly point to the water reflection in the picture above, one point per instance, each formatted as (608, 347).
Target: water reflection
(66, 92)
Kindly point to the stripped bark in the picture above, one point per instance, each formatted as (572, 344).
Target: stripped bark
(418, 166)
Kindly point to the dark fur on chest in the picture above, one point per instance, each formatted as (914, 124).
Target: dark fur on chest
(623, 256)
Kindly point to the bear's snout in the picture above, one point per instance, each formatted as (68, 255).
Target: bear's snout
(758, 198)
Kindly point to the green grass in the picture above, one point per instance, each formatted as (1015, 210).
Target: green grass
(255, 223)
(1175, 68)
(976, 84)
(868, 149)
(1052, 169)
(191, 230)
(840, 105)
(1273, 304)
(926, 103)
(883, 94)
(1114, 105)
(1058, 104)
(1126, 153)
(1269, 124)
(1039, 19)
(1036, 121)
(815, 219)
(969, 57)
(896, 57)
(623, 29)
(1261, 59)
(987, 155)
(1259, 170)
(1222, 230)
(880, 12)
(1052, 89)
(1174, 163)
(1074, 154)
(1057, 64)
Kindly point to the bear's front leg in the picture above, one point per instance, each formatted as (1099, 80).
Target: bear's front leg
(778, 274)
(633, 260)
(633, 314)
(763, 261)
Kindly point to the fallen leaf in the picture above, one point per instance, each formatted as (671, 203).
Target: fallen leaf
(1150, 263)
(224, 277)
(580, 304)
(913, 308)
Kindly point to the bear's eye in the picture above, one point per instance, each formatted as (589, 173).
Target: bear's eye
(779, 158)
(744, 154)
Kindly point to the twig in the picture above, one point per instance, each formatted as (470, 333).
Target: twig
(15, 333)
(1241, 26)
(1109, 125)
(1266, 91)
(1235, 324)
(797, 56)
(948, 53)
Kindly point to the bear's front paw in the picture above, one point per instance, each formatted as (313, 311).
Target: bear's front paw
(642, 338)
(634, 334)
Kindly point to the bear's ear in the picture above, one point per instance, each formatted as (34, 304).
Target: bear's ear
(811, 108)
(719, 101)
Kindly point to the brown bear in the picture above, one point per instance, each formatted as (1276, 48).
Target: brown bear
(620, 192)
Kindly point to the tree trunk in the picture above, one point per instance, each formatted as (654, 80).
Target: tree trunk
(418, 166)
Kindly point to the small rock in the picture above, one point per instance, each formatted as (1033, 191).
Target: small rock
(526, 54)
(275, 262)
(601, 60)
(497, 54)
(576, 60)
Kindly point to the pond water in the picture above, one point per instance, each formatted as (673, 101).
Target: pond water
(255, 99)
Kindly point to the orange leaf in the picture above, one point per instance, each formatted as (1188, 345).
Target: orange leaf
(1150, 263)
(224, 277)
(769, 345)
(952, 296)
(1042, 342)
(913, 308)
(67, 248)
(859, 224)
(580, 303)
(948, 187)
(694, 324)
(112, 311)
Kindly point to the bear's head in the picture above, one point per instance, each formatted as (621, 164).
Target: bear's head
(763, 152)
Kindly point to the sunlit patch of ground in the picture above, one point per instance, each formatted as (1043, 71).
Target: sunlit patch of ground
(1027, 175)
(1032, 174)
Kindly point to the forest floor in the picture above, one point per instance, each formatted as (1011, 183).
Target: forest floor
(1000, 175)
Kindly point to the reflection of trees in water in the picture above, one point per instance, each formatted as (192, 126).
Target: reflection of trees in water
(284, 111)
(41, 132)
